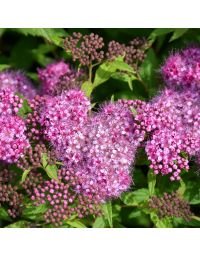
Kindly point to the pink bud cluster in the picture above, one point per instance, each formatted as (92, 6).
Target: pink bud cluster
(17, 82)
(62, 200)
(54, 74)
(182, 69)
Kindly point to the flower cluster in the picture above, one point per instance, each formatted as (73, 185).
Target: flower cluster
(182, 69)
(13, 140)
(134, 52)
(171, 205)
(64, 118)
(57, 77)
(17, 82)
(85, 48)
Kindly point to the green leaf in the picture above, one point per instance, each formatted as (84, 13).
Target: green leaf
(87, 87)
(52, 172)
(125, 78)
(192, 193)
(3, 67)
(4, 215)
(32, 212)
(178, 32)
(24, 175)
(147, 72)
(151, 182)
(18, 224)
(136, 197)
(52, 35)
(158, 32)
(24, 110)
(44, 160)
(75, 223)
(182, 188)
(107, 69)
(107, 210)
(160, 223)
(99, 222)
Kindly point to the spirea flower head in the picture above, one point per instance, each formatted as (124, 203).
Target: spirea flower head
(9, 102)
(182, 69)
(13, 141)
(109, 153)
(64, 117)
(54, 74)
(171, 120)
(16, 81)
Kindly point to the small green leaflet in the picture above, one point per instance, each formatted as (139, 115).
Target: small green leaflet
(178, 32)
(108, 68)
(107, 209)
(136, 197)
(24, 175)
(4, 215)
(51, 170)
(75, 223)
(25, 109)
(151, 182)
(87, 87)
(160, 223)
(99, 222)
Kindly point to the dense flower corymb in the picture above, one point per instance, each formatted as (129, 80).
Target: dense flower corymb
(17, 82)
(64, 118)
(13, 141)
(55, 75)
(108, 154)
(182, 70)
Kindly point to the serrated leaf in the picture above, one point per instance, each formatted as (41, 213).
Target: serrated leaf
(99, 222)
(87, 87)
(136, 197)
(178, 32)
(52, 35)
(107, 69)
(18, 224)
(24, 175)
(151, 182)
(4, 215)
(160, 223)
(32, 212)
(52, 172)
(107, 210)
(75, 223)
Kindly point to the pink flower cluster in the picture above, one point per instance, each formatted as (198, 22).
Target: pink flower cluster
(13, 141)
(182, 69)
(17, 82)
(64, 118)
(54, 74)
(100, 147)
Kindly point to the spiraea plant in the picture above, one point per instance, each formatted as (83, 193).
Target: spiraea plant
(70, 160)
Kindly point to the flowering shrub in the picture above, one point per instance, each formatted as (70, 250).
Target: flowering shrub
(69, 159)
